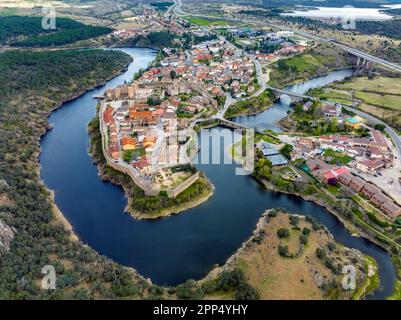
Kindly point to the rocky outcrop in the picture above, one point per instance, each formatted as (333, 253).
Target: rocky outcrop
(6, 237)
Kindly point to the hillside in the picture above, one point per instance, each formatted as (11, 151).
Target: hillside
(33, 84)
(24, 31)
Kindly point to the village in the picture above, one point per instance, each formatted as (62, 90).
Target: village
(355, 162)
(190, 85)
(144, 123)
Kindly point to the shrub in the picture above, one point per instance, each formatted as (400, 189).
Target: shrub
(303, 239)
(294, 220)
(283, 250)
(283, 233)
(321, 253)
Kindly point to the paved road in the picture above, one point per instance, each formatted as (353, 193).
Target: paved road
(229, 101)
(368, 57)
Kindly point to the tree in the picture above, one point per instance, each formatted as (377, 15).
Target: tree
(283, 250)
(294, 220)
(286, 150)
(380, 127)
(306, 231)
(173, 74)
(283, 233)
(303, 239)
(321, 253)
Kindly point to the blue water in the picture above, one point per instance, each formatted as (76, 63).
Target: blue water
(266, 119)
(174, 249)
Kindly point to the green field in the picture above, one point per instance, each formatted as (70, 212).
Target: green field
(381, 100)
(377, 84)
(317, 61)
(382, 92)
(304, 63)
(379, 96)
(336, 95)
(337, 157)
(208, 22)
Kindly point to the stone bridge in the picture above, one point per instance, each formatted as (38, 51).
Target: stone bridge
(293, 96)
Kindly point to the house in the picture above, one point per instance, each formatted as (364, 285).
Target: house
(303, 153)
(331, 112)
(391, 209)
(328, 177)
(277, 160)
(108, 115)
(332, 146)
(379, 198)
(379, 140)
(345, 178)
(128, 143)
(143, 117)
(316, 164)
(371, 166)
(306, 143)
(357, 184)
(114, 137)
(375, 152)
(369, 190)
(307, 106)
(269, 151)
(141, 165)
(340, 171)
(359, 142)
(149, 141)
(114, 152)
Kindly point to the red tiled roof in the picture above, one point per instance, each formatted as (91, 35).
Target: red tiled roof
(342, 170)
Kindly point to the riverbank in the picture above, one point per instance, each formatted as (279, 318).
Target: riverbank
(310, 274)
(176, 209)
(62, 220)
(58, 215)
(316, 62)
(139, 205)
(250, 106)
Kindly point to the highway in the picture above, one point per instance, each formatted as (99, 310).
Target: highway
(368, 57)
(389, 65)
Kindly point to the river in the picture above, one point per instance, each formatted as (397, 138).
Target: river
(174, 249)
(267, 119)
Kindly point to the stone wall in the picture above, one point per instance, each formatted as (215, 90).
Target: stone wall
(172, 193)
